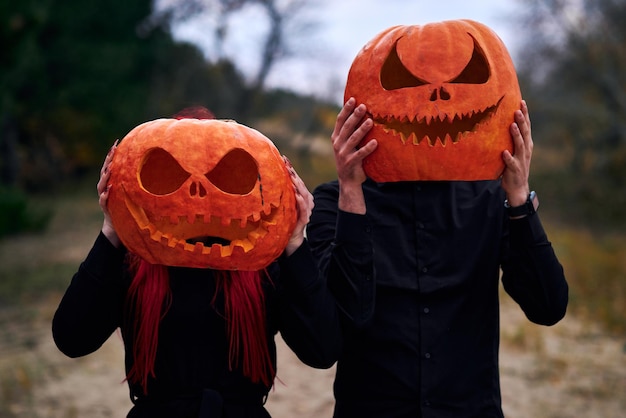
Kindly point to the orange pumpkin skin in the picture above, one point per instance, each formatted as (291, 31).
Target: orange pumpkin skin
(442, 97)
(174, 183)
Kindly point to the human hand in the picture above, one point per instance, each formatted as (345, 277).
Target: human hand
(350, 129)
(517, 170)
(304, 203)
(103, 195)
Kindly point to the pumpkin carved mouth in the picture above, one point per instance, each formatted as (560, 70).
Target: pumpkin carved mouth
(205, 233)
(436, 128)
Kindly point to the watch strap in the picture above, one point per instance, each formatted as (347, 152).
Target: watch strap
(528, 208)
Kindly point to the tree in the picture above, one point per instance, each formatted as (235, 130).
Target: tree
(74, 76)
(285, 25)
(575, 66)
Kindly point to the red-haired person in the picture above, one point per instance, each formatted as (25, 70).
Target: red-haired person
(199, 342)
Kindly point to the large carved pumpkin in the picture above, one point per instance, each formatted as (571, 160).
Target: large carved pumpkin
(442, 98)
(201, 193)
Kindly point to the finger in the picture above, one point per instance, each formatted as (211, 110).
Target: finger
(366, 149)
(518, 140)
(343, 115)
(508, 159)
(355, 119)
(524, 108)
(108, 159)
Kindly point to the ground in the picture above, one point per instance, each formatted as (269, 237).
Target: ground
(569, 370)
(572, 369)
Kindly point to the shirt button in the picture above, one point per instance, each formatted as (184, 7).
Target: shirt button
(427, 355)
(424, 269)
(420, 225)
(426, 310)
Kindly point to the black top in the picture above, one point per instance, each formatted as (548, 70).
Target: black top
(417, 278)
(192, 354)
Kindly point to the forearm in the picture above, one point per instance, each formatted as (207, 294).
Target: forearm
(341, 242)
(533, 275)
(309, 318)
(91, 307)
(351, 198)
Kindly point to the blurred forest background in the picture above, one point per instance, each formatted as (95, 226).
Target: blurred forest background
(76, 75)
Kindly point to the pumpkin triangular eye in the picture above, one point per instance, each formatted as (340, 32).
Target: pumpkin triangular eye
(160, 173)
(394, 75)
(476, 71)
(236, 173)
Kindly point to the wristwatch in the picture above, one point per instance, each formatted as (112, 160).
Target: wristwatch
(528, 208)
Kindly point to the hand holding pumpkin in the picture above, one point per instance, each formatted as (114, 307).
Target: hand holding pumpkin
(350, 129)
(515, 176)
(304, 203)
(103, 188)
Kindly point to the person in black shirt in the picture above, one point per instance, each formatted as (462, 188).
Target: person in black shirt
(192, 372)
(415, 268)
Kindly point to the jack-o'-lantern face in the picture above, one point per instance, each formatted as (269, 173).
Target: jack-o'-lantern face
(201, 193)
(442, 98)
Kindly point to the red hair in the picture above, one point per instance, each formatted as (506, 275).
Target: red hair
(149, 298)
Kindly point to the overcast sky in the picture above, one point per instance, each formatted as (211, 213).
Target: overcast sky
(345, 26)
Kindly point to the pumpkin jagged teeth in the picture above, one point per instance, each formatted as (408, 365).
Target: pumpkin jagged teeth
(242, 244)
(225, 251)
(253, 236)
(255, 216)
(243, 222)
(225, 221)
(173, 219)
(155, 234)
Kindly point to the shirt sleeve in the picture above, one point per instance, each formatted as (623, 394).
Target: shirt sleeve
(532, 274)
(342, 243)
(309, 322)
(91, 308)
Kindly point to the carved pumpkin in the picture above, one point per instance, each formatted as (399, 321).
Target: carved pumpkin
(442, 98)
(201, 193)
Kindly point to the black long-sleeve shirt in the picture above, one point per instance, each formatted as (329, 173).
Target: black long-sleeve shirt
(192, 354)
(417, 279)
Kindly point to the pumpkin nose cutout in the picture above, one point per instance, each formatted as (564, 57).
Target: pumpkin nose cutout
(440, 93)
(197, 189)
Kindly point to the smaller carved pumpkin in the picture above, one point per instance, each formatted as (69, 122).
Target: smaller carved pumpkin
(201, 193)
(442, 98)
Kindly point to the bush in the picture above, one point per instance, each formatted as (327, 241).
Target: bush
(18, 215)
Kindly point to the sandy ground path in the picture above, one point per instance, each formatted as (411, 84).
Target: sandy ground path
(569, 370)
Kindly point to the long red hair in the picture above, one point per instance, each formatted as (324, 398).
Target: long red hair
(149, 298)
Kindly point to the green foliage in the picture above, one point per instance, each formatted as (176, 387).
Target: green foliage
(75, 76)
(18, 214)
